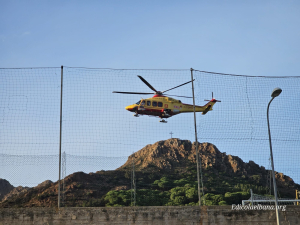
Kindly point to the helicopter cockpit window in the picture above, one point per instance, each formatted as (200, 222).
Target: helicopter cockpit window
(148, 103)
(154, 103)
(138, 102)
(160, 104)
(143, 102)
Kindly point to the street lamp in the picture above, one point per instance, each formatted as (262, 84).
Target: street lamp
(274, 94)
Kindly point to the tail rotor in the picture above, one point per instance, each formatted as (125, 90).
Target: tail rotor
(212, 98)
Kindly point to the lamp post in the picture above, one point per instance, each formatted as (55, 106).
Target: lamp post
(274, 94)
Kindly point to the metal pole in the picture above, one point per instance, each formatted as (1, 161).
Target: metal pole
(133, 181)
(272, 163)
(60, 132)
(131, 186)
(270, 174)
(63, 165)
(197, 152)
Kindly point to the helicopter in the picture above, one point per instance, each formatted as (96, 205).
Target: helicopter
(163, 106)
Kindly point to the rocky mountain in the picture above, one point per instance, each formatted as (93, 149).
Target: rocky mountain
(166, 170)
(15, 192)
(175, 153)
(5, 188)
(172, 153)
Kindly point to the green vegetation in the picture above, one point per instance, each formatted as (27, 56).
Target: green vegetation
(174, 197)
(177, 189)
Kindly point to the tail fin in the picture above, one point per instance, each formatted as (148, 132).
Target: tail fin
(209, 105)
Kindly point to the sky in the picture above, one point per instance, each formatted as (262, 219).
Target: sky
(240, 37)
(257, 38)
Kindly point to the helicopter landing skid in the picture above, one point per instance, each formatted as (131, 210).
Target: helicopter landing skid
(136, 115)
(163, 121)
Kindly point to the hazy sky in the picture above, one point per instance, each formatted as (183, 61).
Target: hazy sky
(240, 37)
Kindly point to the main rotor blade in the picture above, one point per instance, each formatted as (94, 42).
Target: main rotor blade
(136, 93)
(179, 96)
(149, 85)
(178, 86)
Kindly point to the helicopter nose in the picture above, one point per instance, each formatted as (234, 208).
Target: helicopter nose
(128, 108)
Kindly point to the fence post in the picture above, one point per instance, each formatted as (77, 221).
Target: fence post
(197, 151)
(60, 132)
(133, 184)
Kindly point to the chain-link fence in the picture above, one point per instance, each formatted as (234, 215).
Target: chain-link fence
(101, 162)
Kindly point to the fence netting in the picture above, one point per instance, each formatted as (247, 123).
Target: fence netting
(112, 158)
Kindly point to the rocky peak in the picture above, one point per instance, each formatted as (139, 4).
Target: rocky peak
(44, 184)
(15, 192)
(171, 153)
(5, 188)
(162, 154)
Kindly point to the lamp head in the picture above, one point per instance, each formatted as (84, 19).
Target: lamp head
(276, 92)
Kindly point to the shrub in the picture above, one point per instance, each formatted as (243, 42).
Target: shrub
(222, 203)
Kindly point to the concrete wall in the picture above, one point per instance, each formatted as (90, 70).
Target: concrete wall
(176, 215)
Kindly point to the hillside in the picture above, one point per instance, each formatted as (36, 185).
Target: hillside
(165, 175)
(5, 188)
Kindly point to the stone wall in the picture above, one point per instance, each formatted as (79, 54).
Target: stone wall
(173, 215)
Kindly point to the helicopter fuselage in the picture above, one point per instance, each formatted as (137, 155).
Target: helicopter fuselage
(165, 107)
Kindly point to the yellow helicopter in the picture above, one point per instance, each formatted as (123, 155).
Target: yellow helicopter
(162, 106)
